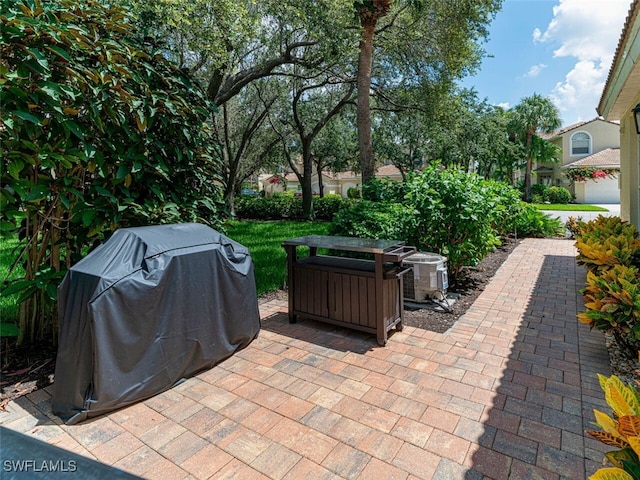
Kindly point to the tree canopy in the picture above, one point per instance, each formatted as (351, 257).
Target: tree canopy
(533, 115)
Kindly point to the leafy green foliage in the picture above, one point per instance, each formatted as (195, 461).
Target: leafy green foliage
(285, 206)
(326, 207)
(557, 195)
(447, 211)
(369, 219)
(99, 132)
(453, 215)
(531, 222)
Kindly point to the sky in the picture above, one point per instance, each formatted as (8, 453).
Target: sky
(561, 49)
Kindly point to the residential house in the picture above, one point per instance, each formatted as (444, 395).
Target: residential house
(337, 183)
(603, 186)
(620, 96)
(582, 144)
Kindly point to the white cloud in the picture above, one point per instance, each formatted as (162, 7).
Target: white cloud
(535, 70)
(587, 30)
(504, 105)
(537, 35)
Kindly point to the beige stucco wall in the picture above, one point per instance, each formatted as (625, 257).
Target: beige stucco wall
(603, 135)
(630, 169)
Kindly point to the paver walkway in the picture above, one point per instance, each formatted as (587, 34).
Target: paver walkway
(507, 392)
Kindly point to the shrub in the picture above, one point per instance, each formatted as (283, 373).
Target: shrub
(353, 192)
(613, 251)
(384, 190)
(610, 250)
(538, 189)
(557, 195)
(326, 207)
(285, 206)
(622, 431)
(531, 222)
(612, 299)
(452, 213)
(603, 227)
(99, 131)
(575, 226)
(369, 219)
(606, 242)
(506, 206)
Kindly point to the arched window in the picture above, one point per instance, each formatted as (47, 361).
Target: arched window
(580, 143)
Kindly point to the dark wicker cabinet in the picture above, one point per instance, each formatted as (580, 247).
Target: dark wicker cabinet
(360, 294)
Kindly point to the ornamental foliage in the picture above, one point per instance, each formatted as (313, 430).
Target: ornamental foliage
(98, 131)
(610, 250)
(582, 174)
(621, 430)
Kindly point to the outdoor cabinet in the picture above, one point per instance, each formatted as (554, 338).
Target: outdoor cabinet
(363, 294)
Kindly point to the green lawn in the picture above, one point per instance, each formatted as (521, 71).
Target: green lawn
(264, 241)
(569, 207)
(8, 251)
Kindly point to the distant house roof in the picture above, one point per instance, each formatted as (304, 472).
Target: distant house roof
(607, 158)
(568, 128)
(383, 171)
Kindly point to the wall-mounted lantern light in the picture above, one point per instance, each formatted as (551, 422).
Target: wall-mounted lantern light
(636, 117)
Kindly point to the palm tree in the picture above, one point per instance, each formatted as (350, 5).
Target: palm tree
(533, 115)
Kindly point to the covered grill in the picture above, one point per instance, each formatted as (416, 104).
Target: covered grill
(146, 309)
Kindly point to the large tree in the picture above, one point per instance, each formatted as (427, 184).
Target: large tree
(533, 115)
(245, 139)
(421, 44)
(313, 103)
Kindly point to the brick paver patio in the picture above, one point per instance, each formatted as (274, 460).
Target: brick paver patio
(506, 393)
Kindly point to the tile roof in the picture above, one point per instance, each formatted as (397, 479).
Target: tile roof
(607, 158)
(383, 171)
(568, 128)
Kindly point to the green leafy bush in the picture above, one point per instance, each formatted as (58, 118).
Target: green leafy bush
(384, 190)
(353, 192)
(452, 213)
(531, 222)
(326, 207)
(558, 195)
(99, 131)
(447, 211)
(505, 206)
(538, 190)
(277, 207)
(284, 206)
(369, 219)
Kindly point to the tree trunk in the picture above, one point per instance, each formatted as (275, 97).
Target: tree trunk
(307, 192)
(367, 161)
(529, 167)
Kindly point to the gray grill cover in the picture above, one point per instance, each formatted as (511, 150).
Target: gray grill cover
(146, 309)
